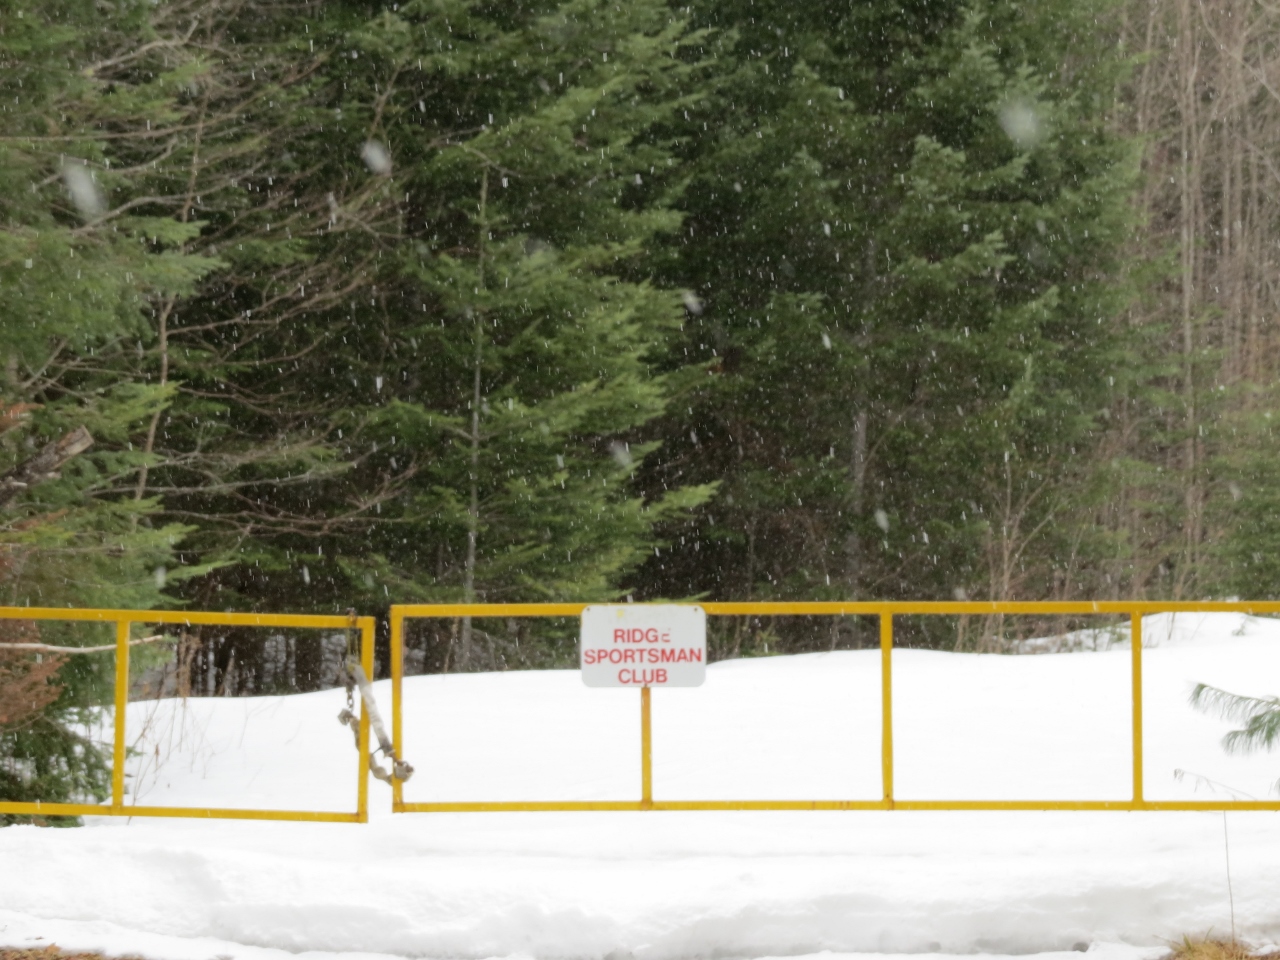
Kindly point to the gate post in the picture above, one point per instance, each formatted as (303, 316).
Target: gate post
(1135, 643)
(122, 703)
(886, 705)
(646, 749)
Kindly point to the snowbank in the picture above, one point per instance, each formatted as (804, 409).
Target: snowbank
(671, 886)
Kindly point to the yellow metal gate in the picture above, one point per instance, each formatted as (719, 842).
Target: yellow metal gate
(885, 612)
(123, 620)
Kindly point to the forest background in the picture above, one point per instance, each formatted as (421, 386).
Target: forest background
(447, 300)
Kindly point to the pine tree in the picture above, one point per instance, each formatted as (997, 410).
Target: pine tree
(411, 206)
(515, 342)
(79, 265)
(904, 225)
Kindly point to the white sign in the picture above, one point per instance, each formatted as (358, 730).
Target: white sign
(644, 645)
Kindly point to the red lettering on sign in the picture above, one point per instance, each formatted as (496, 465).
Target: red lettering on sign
(643, 678)
(676, 655)
(594, 655)
(640, 635)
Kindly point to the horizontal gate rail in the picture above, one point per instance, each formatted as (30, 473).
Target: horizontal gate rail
(124, 619)
(885, 611)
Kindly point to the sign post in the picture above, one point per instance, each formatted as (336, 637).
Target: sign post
(645, 646)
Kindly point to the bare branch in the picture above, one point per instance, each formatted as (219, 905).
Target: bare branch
(44, 465)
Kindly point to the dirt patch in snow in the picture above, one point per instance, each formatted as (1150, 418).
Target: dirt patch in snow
(51, 952)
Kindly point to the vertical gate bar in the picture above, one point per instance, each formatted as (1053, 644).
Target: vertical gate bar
(397, 691)
(1135, 642)
(646, 749)
(886, 704)
(366, 661)
(122, 702)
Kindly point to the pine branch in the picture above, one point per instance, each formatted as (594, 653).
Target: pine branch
(1260, 716)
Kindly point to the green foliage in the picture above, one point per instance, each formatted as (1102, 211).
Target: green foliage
(913, 248)
(566, 300)
(80, 267)
(569, 300)
(49, 762)
(512, 357)
(1260, 716)
(1245, 561)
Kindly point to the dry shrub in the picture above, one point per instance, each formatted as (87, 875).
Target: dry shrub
(1216, 948)
(28, 682)
(51, 952)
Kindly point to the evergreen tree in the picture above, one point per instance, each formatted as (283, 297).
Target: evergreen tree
(249, 451)
(79, 266)
(421, 365)
(904, 224)
(1244, 501)
(511, 357)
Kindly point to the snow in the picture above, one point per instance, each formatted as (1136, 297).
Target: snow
(677, 886)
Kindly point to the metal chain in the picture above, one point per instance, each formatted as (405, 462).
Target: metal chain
(353, 677)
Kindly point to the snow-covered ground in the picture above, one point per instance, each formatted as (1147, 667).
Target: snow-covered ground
(675, 886)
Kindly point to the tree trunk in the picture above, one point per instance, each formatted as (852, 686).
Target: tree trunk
(473, 505)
